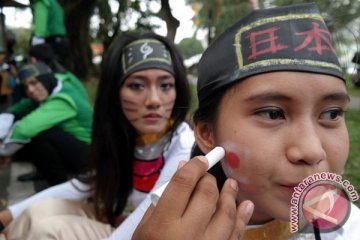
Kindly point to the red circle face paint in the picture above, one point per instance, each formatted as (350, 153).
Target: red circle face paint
(232, 159)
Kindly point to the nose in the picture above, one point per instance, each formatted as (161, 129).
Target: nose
(30, 88)
(305, 144)
(153, 99)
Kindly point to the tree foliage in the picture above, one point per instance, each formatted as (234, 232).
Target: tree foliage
(190, 47)
(215, 16)
(337, 14)
(111, 23)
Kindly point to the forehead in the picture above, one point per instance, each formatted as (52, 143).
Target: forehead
(151, 73)
(293, 84)
(30, 80)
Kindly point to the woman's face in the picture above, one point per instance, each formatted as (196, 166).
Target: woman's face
(147, 98)
(35, 89)
(283, 127)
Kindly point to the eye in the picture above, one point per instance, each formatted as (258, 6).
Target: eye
(32, 82)
(136, 86)
(271, 113)
(167, 86)
(332, 114)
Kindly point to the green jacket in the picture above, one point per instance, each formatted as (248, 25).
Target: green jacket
(48, 18)
(68, 108)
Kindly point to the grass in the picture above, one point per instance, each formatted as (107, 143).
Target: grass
(352, 90)
(352, 168)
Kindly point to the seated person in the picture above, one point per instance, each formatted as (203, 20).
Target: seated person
(139, 137)
(53, 126)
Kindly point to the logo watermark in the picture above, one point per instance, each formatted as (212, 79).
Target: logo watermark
(323, 200)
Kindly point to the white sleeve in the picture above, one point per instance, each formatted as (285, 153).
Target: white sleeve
(350, 230)
(70, 190)
(6, 121)
(179, 149)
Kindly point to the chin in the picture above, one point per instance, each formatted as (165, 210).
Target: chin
(151, 130)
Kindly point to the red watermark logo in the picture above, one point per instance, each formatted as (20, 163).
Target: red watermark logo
(322, 200)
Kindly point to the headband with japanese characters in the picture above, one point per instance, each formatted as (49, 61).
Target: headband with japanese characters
(292, 38)
(145, 54)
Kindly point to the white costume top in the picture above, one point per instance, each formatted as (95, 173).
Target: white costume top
(349, 231)
(179, 149)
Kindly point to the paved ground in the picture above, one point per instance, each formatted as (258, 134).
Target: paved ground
(12, 191)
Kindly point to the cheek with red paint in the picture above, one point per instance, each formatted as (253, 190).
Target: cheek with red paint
(232, 159)
(236, 162)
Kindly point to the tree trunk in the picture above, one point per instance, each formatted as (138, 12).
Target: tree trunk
(77, 20)
(171, 22)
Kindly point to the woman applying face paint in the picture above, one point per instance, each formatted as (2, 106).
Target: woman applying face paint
(277, 107)
(139, 136)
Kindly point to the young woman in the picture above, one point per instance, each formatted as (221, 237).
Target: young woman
(139, 137)
(52, 126)
(277, 107)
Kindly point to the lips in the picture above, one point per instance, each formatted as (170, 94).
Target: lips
(152, 116)
(288, 187)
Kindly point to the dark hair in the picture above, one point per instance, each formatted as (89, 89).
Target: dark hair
(113, 137)
(44, 52)
(207, 112)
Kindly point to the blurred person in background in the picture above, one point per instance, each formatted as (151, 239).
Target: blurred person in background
(49, 27)
(51, 127)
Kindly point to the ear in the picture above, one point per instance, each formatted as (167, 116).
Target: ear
(204, 136)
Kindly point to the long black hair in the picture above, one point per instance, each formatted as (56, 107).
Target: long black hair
(113, 137)
(207, 112)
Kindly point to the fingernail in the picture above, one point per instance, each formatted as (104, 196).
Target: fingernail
(233, 184)
(249, 208)
(203, 159)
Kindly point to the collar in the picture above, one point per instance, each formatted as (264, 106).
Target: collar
(275, 229)
(151, 138)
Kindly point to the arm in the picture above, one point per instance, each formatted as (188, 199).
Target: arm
(48, 115)
(51, 113)
(179, 150)
(70, 190)
(192, 208)
(23, 107)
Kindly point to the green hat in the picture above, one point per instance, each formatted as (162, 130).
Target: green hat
(292, 38)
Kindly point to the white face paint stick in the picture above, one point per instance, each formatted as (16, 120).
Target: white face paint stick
(213, 157)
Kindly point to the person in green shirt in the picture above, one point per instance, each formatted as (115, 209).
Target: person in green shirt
(49, 27)
(53, 127)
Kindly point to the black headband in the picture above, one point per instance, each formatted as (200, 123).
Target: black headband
(144, 54)
(292, 38)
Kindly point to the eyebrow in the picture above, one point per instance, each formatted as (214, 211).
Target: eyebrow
(337, 97)
(268, 96)
(276, 96)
